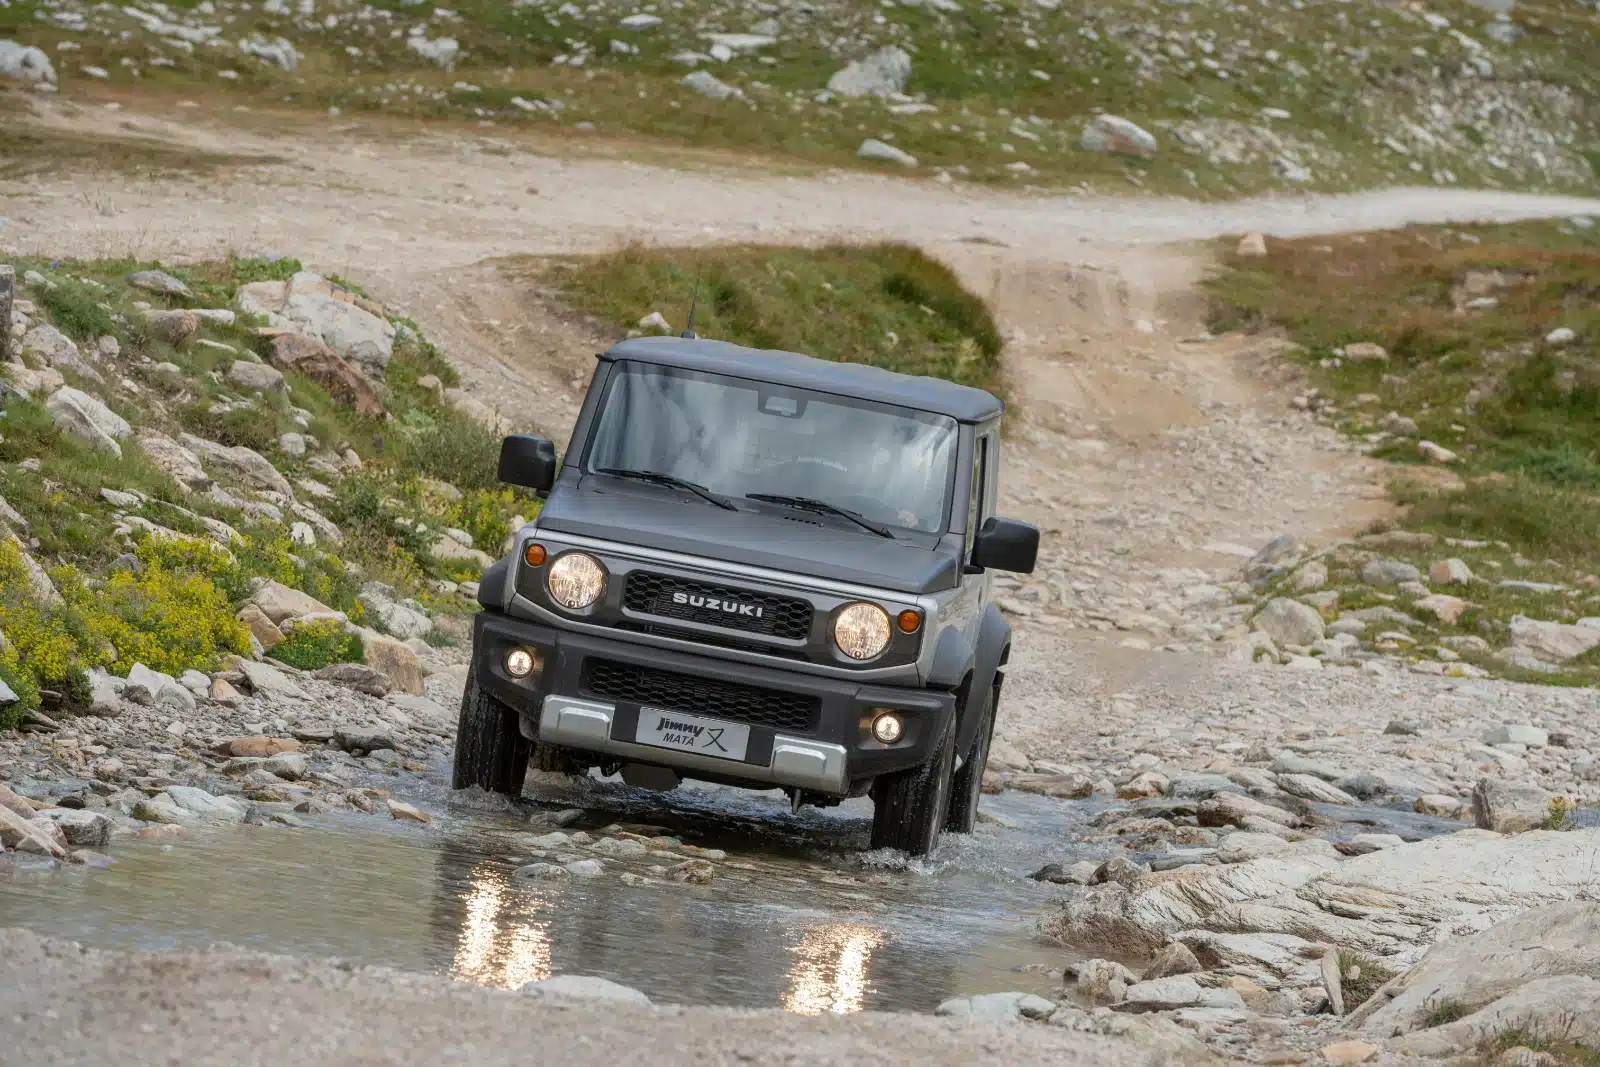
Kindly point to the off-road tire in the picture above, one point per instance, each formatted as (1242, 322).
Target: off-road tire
(909, 807)
(491, 752)
(966, 785)
(557, 760)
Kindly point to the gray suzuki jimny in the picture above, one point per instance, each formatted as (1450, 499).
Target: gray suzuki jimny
(758, 569)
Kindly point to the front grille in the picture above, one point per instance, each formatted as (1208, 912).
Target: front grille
(700, 696)
(719, 640)
(653, 594)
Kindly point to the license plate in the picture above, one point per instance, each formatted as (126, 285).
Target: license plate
(691, 733)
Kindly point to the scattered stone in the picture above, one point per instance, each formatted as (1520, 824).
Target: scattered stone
(158, 281)
(1447, 609)
(1252, 246)
(1365, 352)
(258, 377)
(1435, 453)
(1289, 622)
(1109, 133)
(1389, 572)
(1509, 808)
(998, 1007)
(709, 85)
(1450, 572)
(81, 415)
(407, 813)
(883, 73)
(583, 987)
(1561, 335)
(874, 149)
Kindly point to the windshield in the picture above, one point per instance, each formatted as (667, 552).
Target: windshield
(735, 437)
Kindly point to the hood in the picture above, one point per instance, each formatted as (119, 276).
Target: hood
(669, 521)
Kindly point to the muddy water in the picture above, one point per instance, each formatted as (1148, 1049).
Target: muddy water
(800, 915)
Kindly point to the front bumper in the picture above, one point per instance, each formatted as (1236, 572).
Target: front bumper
(832, 751)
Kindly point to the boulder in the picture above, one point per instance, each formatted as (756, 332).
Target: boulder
(1177, 991)
(1389, 572)
(25, 63)
(261, 626)
(1308, 787)
(55, 349)
(882, 152)
(883, 73)
(448, 549)
(175, 327)
(157, 281)
(278, 603)
(166, 690)
(1450, 572)
(257, 377)
(204, 806)
(1252, 246)
(86, 418)
(1175, 958)
(1233, 809)
(1553, 641)
(1109, 133)
(247, 466)
(308, 356)
(29, 382)
(21, 835)
(1530, 974)
(363, 739)
(709, 85)
(403, 619)
(309, 304)
(1365, 352)
(1289, 622)
(998, 1007)
(81, 828)
(1447, 609)
(394, 660)
(39, 583)
(361, 678)
(180, 464)
(1509, 808)
(268, 681)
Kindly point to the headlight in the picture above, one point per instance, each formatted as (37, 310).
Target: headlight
(576, 580)
(861, 630)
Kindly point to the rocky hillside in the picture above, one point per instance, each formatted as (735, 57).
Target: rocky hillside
(1213, 98)
(205, 469)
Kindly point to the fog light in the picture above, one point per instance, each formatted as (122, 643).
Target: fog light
(887, 728)
(519, 663)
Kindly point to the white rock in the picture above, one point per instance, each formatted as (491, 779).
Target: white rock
(709, 85)
(1561, 335)
(166, 690)
(1435, 453)
(1517, 734)
(997, 1007)
(883, 73)
(874, 149)
(640, 21)
(207, 807)
(583, 987)
(1109, 133)
(1289, 622)
(1178, 991)
(25, 63)
(257, 377)
(1553, 641)
(81, 415)
(309, 304)
(440, 50)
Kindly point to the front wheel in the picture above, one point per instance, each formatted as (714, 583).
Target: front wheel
(967, 785)
(908, 807)
(491, 752)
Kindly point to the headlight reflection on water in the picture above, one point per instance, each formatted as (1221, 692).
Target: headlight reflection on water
(830, 969)
(487, 956)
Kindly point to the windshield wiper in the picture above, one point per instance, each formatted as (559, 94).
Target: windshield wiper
(657, 478)
(806, 503)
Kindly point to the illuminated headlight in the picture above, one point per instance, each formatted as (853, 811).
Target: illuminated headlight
(520, 662)
(576, 580)
(887, 728)
(861, 630)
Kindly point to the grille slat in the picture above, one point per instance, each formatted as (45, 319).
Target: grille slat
(671, 691)
(783, 617)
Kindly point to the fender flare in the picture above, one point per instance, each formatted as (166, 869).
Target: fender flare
(493, 591)
(992, 651)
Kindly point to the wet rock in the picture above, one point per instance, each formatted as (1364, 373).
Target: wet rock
(404, 812)
(1241, 846)
(586, 868)
(542, 872)
(1062, 786)
(1509, 808)
(1314, 789)
(998, 1007)
(22, 835)
(1229, 809)
(583, 987)
(1174, 959)
(1119, 869)
(96, 861)
(1079, 873)
(692, 872)
(613, 846)
(1109, 133)
(81, 829)
(86, 418)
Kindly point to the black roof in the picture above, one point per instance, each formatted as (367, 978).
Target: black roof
(960, 402)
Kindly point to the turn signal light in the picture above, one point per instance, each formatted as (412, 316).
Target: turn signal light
(909, 621)
(533, 555)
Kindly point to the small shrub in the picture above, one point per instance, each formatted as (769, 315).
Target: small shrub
(76, 312)
(1445, 1013)
(450, 446)
(319, 644)
(486, 515)
(249, 427)
(1369, 977)
(1561, 814)
(21, 682)
(246, 271)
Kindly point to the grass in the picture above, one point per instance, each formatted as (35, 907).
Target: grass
(1371, 975)
(1522, 414)
(1445, 1013)
(999, 91)
(316, 645)
(30, 149)
(1560, 1053)
(887, 305)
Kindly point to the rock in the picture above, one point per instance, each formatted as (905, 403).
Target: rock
(21, 835)
(407, 813)
(175, 327)
(586, 868)
(1109, 133)
(1365, 352)
(1450, 572)
(709, 85)
(1289, 622)
(1516, 976)
(56, 349)
(224, 693)
(25, 63)
(1344, 1053)
(39, 584)
(1309, 577)
(1447, 609)
(1252, 246)
(308, 356)
(1118, 869)
(259, 378)
(206, 807)
(1397, 424)
(31, 383)
(182, 465)
(269, 681)
(542, 872)
(308, 304)
(1307, 787)
(82, 829)
(1174, 959)
(448, 548)
(1517, 734)
(874, 149)
(261, 626)
(1508, 808)
(1438, 805)
(1552, 641)
(883, 73)
(693, 872)
(1079, 873)
(1435, 453)
(195, 682)
(1361, 844)
(246, 465)
(583, 987)
(1332, 981)
(288, 765)
(363, 739)
(1227, 809)
(1142, 785)
(403, 619)
(997, 1007)
(1177, 991)
(157, 281)
(1561, 335)
(357, 676)
(279, 603)
(1241, 846)
(394, 660)
(1388, 572)
(1061, 786)
(81, 415)
(165, 689)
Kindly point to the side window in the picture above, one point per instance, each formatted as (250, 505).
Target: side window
(980, 486)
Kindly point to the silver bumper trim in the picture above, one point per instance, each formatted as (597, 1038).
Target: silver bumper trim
(796, 761)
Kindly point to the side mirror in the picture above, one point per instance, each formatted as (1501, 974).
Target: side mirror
(1006, 545)
(528, 461)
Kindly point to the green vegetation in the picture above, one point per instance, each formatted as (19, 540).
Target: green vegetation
(1556, 1053)
(314, 645)
(1561, 814)
(168, 599)
(1370, 976)
(1243, 96)
(1445, 1013)
(888, 305)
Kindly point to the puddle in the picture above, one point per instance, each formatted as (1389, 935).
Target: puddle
(800, 916)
